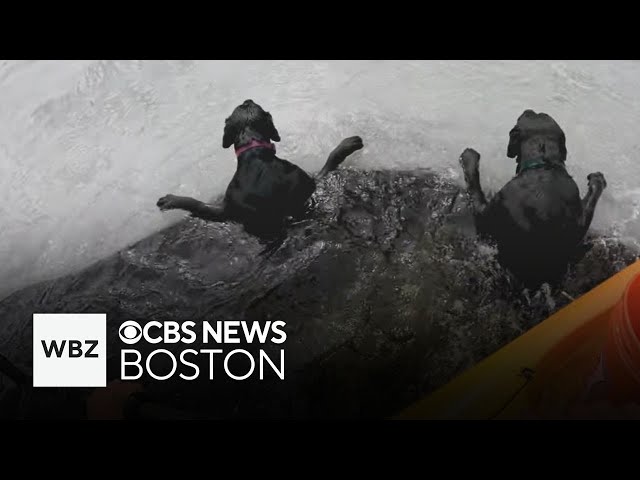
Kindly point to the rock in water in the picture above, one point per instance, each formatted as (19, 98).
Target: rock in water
(385, 291)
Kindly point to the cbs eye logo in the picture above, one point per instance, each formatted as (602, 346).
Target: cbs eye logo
(130, 332)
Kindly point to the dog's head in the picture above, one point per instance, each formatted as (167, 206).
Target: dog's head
(534, 131)
(248, 119)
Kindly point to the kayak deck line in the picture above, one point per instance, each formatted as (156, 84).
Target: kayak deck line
(496, 386)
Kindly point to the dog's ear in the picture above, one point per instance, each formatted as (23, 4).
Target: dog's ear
(563, 147)
(271, 129)
(230, 134)
(513, 149)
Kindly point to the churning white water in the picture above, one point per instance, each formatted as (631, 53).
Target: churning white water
(87, 147)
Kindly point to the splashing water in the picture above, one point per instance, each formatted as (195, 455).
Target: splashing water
(86, 148)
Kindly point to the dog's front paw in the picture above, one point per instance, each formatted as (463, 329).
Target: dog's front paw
(169, 202)
(597, 181)
(469, 160)
(350, 145)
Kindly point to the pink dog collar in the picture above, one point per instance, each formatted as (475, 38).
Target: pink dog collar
(255, 144)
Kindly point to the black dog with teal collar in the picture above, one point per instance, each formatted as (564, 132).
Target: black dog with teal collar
(537, 220)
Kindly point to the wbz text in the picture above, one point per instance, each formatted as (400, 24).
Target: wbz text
(70, 350)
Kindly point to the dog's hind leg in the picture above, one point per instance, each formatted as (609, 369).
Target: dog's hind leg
(340, 153)
(470, 162)
(597, 184)
(197, 209)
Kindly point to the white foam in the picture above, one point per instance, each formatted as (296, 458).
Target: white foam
(86, 148)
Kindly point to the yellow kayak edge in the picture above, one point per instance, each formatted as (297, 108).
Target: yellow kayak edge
(482, 391)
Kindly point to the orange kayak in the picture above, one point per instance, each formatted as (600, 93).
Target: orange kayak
(585, 358)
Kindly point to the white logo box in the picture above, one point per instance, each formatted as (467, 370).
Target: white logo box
(77, 360)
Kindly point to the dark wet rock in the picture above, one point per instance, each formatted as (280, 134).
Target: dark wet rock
(386, 293)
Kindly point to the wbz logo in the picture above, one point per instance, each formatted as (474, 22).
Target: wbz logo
(69, 350)
(75, 348)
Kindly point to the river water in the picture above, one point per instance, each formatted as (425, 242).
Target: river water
(87, 147)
